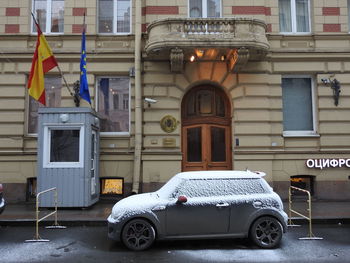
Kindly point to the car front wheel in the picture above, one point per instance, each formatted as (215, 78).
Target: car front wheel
(266, 232)
(138, 234)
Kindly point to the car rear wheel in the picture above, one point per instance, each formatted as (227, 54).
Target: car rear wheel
(266, 232)
(138, 234)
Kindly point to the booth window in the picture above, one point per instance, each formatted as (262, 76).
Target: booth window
(305, 182)
(63, 147)
(112, 186)
(53, 87)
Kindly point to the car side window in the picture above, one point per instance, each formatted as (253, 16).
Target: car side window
(201, 188)
(244, 187)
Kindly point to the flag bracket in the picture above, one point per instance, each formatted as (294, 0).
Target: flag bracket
(76, 96)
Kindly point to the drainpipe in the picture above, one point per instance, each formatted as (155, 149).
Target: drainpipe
(138, 100)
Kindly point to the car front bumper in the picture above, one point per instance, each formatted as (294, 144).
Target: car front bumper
(114, 229)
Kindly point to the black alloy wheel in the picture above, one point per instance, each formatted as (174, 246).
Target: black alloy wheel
(266, 232)
(138, 234)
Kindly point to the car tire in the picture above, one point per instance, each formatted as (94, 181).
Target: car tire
(138, 234)
(266, 232)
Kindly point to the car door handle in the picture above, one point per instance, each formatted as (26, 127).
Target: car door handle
(159, 208)
(222, 205)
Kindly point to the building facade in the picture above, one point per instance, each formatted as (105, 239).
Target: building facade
(188, 85)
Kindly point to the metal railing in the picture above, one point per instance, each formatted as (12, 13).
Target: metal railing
(307, 217)
(37, 237)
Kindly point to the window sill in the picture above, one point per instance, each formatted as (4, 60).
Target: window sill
(300, 134)
(115, 134)
(295, 33)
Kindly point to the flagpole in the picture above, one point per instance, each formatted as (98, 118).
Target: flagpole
(65, 81)
(59, 69)
(84, 86)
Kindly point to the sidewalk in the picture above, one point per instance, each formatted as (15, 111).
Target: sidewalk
(20, 214)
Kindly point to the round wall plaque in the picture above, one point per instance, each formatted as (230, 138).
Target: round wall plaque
(168, 123)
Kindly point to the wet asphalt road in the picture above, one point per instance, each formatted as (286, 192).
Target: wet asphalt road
(90, 244)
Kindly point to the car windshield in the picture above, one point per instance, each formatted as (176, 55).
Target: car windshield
(168, 189)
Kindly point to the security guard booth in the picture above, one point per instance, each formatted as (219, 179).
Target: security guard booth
(68, 156)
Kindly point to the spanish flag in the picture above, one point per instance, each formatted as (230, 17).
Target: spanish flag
(43, 62)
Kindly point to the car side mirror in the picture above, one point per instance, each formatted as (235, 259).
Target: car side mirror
(181, 199)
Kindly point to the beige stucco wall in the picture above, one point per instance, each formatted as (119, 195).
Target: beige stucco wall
(255, 95)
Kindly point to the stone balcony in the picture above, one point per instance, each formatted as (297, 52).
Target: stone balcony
(235, 40)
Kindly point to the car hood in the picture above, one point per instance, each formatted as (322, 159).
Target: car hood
(135, 205)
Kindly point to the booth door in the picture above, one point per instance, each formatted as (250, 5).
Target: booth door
(93, 161)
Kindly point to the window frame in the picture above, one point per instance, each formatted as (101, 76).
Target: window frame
(47, 30)
(115, 19)
(348, 3)
(303, 133)
(47, 146)
(294, 20)
(205, 9)
(122, 134)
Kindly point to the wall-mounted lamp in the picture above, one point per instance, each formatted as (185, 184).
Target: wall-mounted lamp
(64, 118)
(199, 53)
(335, 86)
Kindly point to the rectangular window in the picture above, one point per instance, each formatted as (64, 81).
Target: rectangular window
(50, 16)
(114, 16)
(112, 186)
(298, 106)
(115, 113)
(53, 87)
(63, 146)
(204, 8)
(294, 16)
(125, 101)
(349, 15)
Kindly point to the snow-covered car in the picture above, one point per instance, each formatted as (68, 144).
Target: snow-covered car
(203, 204)
(2, 200)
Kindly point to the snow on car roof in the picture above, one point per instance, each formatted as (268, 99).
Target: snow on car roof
(220, 174)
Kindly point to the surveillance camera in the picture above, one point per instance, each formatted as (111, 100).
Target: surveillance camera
(151, 101)
(325, 81)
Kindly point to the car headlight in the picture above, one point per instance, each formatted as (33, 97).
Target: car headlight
(118, 216)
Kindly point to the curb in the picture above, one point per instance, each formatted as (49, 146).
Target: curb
(322, 221)
(74, 223)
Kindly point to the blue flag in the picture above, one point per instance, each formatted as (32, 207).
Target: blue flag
(84, 86)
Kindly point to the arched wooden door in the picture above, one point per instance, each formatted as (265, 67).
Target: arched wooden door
(206, 130)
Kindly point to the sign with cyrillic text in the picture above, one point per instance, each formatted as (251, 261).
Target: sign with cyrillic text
(327, 163)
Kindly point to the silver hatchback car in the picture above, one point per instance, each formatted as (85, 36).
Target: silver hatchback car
(203, 204)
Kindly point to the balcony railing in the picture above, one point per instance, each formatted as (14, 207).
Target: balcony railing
(207, 33)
